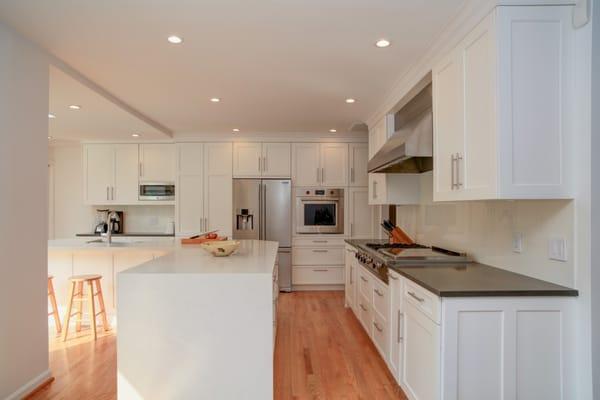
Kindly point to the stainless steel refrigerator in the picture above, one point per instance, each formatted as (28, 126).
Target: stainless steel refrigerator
(262, 210)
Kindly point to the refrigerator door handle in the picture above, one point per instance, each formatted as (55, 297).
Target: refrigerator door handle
(264, 211)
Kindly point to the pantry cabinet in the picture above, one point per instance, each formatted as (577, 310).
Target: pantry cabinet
(358, 158)
(267, 160)
(110, 174)
(502, 114)
(204, 195)
(157, 162)
(320, 164)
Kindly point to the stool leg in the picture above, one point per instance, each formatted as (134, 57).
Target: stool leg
(80, 297)
(92, 308)
(68, 314)
(54, 306)
(105, 324)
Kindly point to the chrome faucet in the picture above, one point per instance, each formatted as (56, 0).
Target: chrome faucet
(109, 224)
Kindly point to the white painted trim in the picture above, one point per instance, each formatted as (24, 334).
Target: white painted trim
(30, 386)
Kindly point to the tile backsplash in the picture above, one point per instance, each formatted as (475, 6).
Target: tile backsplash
(486, 229)
(148, 219)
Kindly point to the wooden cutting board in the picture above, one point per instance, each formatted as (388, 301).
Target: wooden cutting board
(201, 240)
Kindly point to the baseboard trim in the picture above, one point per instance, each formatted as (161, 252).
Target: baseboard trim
(33, 386)
(305, 288)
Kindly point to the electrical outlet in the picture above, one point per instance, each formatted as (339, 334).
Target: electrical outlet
(517, 242)
(557, 249)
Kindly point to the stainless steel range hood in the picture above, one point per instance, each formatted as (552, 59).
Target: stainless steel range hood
(410, 148)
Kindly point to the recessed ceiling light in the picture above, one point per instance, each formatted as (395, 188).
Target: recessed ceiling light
(51, 116)
(333, 130)
(382, 43)
(350, 100)
(175, 39)
(215, 99)
(49, 137)
(235, 130)
(135, 135)
(74, 107)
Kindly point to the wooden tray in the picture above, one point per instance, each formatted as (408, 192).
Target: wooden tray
(201, 240)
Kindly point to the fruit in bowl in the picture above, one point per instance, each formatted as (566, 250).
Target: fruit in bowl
(221, 248)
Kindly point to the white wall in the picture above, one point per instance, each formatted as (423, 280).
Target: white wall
(71, 216)
(484, 229)
(23, 215)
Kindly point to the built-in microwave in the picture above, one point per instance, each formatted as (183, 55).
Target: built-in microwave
(157, 191)
(319, 210)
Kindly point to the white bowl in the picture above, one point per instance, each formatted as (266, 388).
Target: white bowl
(221, 248)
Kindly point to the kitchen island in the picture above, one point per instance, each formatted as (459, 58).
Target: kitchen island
(196, 326)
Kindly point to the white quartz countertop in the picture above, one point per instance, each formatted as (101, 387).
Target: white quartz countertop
(118, 243)
(253, 257)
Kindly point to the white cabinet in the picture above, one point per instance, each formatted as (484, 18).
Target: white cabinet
(502, 114)
(254, 160)
(350, 277)
(396, 189)
(395, 324)
(157, 162)
(320, 164)
(334, 164)
(421, 369)
(361, 216)
(358, 158)
(379, 133)
(204, 195)
(110, 173)
(276, 160)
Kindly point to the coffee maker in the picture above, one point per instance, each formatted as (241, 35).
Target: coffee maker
(102, 223)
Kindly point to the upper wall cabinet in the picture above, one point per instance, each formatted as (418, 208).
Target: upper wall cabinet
(157, 162)
(110, 173)
(254, 160)
(501, 103)
(378, 135)
(320, 164)
(358, 154)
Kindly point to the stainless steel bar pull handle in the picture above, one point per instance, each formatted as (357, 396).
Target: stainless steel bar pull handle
(458, 160)
(320, 270)
(414, 296)
(107, 189)
(351, 274)
(364, 279)
(320, 251)
(399, 335)
(452, 171)
(378, 293)
(380, 329)
(363, 307)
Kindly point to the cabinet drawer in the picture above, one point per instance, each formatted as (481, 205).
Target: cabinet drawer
(423, 300)
(318, 256)
(365, 284)
(364, 313)
(318, 242)
(380, 299)
(318, 275)
(380, 335)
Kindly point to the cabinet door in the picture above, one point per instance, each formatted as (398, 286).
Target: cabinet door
(277, 161)
(377, 189)
(190, 188)
(360, 214)
(359, 157)
(448, 116)
(378, 135)
(350, 276)
(247, 162)
(477, 165)
(157, 162)
(99, 167)
(126, 174)
(218, 187)
(334, 164)
(421, 369)
(395, 325)
(305, 164)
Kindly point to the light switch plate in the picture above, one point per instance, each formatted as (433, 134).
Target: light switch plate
(557, 249)
(517, 242)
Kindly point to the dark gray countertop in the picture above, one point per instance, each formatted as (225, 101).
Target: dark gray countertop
(473, 279)
(129, 234)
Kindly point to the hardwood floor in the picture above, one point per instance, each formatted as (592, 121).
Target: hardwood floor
(322, 352)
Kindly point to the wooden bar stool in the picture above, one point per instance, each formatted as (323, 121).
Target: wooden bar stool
(77, 295)
(52, 299)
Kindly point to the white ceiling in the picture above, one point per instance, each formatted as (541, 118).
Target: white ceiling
(98, 118)
(278, 66)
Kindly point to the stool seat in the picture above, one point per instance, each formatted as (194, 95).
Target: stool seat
(85, 278)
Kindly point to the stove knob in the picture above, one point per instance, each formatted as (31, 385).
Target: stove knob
(378, 265)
